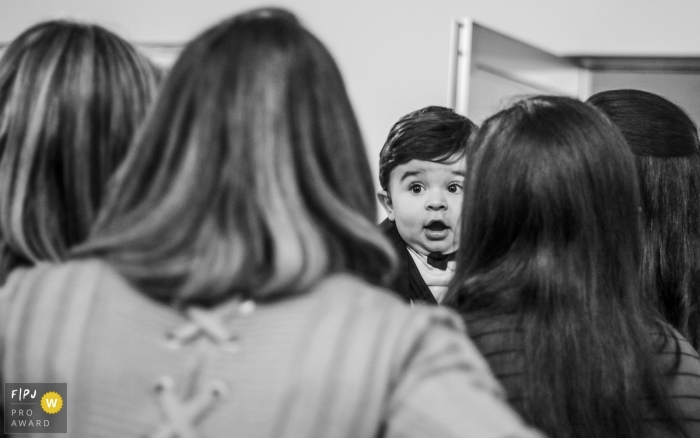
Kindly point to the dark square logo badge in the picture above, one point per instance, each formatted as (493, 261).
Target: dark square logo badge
(36, 408)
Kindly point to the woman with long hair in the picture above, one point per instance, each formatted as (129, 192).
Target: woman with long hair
(548, 278)
(71, 98)
(229, 287)
(664, 141)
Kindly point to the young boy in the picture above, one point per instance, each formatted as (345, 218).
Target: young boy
(421, 172)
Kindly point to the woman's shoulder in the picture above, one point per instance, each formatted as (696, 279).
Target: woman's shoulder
(677, 357)
(346, 293)
(47, 271)
(377, 319)
(53, 275)
(679, 361)
(56, 286)
(669, 342)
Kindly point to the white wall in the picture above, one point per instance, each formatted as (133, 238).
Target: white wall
(394, 53)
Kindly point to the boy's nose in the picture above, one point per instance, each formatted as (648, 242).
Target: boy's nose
(437, 202)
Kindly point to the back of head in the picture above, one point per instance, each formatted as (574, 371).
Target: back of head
(664, 140)
(551, 190)
(71, 97)
(551, 237)
(250, 175)
(432, 133)
(652, 125)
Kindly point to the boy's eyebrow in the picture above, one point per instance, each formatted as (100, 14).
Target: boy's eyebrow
(410, 173)
(460, 173)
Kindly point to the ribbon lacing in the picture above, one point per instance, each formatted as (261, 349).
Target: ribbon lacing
(182, 416)
(212, 324)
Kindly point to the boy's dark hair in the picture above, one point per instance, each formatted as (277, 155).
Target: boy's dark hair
(433, 133)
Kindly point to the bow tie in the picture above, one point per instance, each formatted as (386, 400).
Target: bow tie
(439, 260)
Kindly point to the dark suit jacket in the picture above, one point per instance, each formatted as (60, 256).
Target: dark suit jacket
(408, 283)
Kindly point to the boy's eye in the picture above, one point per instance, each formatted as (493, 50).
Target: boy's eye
(454, 188)
(415, 188)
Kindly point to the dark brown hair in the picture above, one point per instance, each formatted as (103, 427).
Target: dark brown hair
(664, 140)
(551, 236)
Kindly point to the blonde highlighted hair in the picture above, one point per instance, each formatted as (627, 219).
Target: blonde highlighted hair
(250, 176)
(71, 97)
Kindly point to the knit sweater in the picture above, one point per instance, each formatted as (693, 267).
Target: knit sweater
(501, 342)
(344, 360)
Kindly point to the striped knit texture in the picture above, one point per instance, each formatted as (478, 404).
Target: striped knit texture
(344, 360)
(502, 344)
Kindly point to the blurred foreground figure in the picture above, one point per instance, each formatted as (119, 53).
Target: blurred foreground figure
(548, 278)
(71, 97)
(227, 288)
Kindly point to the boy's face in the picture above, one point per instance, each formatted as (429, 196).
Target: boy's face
(425, 202)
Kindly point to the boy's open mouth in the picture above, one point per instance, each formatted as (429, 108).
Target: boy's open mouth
(436, 226)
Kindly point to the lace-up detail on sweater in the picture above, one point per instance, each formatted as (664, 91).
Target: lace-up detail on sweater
(210, 324)
(184, 402)
(181, 416)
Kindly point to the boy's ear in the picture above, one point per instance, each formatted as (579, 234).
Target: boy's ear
(385, 200)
